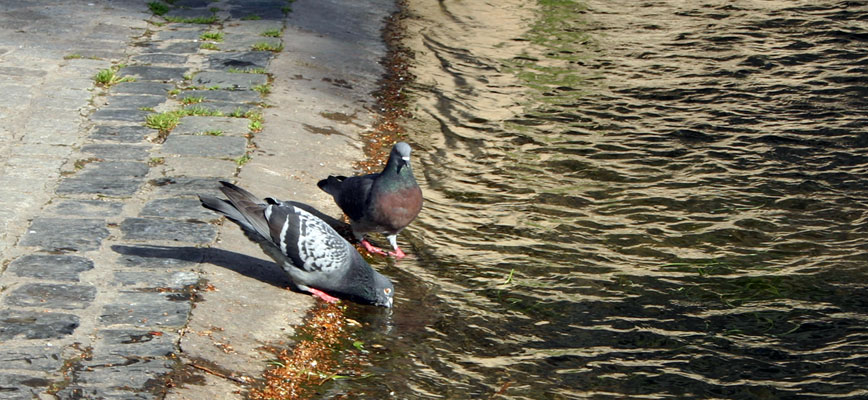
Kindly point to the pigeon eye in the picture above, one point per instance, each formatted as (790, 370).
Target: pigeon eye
(387, 290)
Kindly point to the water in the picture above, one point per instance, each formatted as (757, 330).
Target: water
(633, 200)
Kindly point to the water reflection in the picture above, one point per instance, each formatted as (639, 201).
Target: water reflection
(676, 189)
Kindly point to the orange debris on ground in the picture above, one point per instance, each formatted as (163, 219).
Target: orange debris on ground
(313, 360)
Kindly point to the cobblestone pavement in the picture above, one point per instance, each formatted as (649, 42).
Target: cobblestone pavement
(102, 238)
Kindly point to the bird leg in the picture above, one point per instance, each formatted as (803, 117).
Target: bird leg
(322, 295)
(398, 254)
(371, 248)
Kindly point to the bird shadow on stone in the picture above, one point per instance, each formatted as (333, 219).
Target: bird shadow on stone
(186, 256)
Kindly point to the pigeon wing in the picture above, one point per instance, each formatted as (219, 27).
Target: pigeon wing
(310, 243)
(351, 194)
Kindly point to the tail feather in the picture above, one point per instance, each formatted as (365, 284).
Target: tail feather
(242, 207)
(223, 207)
(332, 184)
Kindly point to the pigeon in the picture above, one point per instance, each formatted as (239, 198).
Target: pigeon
(384, 202)
(316, 258)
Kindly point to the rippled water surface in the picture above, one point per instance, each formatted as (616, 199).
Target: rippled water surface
(633, 199)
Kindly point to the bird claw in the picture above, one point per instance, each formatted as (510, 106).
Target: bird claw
(324, 296)
(398, 254)
(371, 248)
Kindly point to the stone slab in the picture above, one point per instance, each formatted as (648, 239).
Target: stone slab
(175, 280)
(65, 233)
(263, 10)
(117, 151)
(35, 325)
(179, 34)
(231, 96)
(243, 60)
(152, 73)
(100, 185)
(122, 134)
(51, 295)
(115, 169)
(133, 101)
(87, 208)
(203, 165)
(175, 48)
(31, 357)
(21, 387)
(128, 376)
(159, 58)
(115, 345)
(186, 185)
(194, 12)
(157, 257)
(146, 310)
(153, 88)
(167, 230)
(123, 115)
(227, 80)
(229, 126)
(205, 146)
(50, 267)
(178, 208)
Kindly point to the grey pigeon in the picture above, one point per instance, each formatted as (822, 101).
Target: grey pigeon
(317, 259)
(384, 202)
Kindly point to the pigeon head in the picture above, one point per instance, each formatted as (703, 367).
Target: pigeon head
(401, 154)
(371, 288)
(384, 291)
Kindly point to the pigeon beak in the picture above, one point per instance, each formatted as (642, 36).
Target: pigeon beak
(389, 302)
(404, 161)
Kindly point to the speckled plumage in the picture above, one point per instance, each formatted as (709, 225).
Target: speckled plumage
(314, 256)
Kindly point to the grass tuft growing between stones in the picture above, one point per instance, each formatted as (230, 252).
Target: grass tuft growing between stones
(109, 76)
(192, 100)
(240, 161)
(265, 46)
(158, 8)
(272, 33)
(262, 89)
(208, 46)
(247, 71)
(213, 36)
(251, 17)
(163, 122)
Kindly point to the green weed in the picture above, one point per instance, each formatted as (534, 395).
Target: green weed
(192, 100)
(265, 46)
(158, 8)
(164, 122)
(213, 36)
(109, 76)
(262, 89)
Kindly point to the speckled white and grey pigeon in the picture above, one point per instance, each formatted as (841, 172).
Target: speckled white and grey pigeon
(317, 259)
(384, 202)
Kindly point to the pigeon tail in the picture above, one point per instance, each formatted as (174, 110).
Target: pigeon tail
(332, 184)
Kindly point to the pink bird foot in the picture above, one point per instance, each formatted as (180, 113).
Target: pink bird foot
(398, 254)
(322, 295)
(371, 248)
